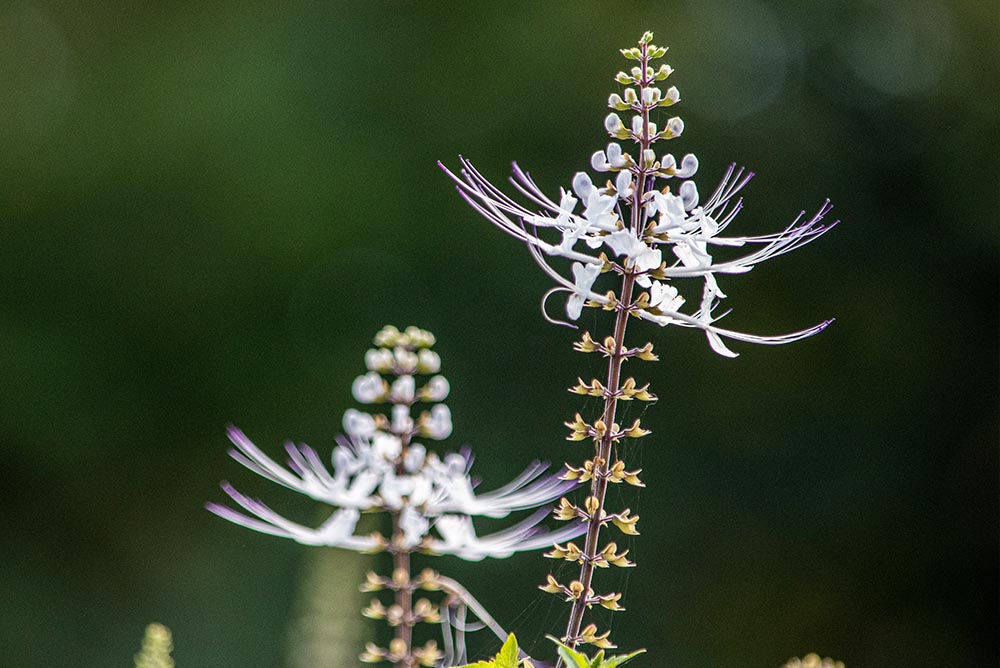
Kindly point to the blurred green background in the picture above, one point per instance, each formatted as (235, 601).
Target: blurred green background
(207, 209)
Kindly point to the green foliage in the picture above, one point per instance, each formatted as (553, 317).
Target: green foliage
(506, 658)
(156, 647)
(575, 659)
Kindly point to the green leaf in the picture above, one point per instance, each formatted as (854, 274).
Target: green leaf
(574, 659)
(571, 657)
(615, 661)
(507, 658)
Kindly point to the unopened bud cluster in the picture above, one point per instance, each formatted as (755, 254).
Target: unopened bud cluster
(400, 653)
(599, 471)
(397, 615)
(813, 661)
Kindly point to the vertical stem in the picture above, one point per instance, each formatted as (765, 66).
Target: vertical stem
(599, 485)
(602, 463)
(401, 571)
(404, 595)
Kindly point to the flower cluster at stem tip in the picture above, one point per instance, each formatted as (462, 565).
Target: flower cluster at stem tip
(647, 221)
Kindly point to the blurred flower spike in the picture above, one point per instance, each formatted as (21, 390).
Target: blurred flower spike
(813, 661)
(378, 466)
(431, 499)
(647, 223)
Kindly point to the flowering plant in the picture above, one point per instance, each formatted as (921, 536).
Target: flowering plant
(379, 467)
(642, 238)
(646, 239)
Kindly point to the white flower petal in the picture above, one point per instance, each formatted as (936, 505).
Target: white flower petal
(582, 185)
(623, 184)
(689, 195)
(689, 165)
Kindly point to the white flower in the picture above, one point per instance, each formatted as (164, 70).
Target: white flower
(627, 226)
(336, 531)
(671, 210)
(584, 277)
(394, 488)
(668, 166)
(386, 446)
(415, 457)
(665, 297)
(414, 526)
(369, 388)
(358, 424)
(611, 159)
(692, 252)
(529, 490)
(643, 257)
(709, 297)
(458, 537)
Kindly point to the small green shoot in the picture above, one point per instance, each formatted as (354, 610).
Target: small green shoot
(507, 658)
(575, 659)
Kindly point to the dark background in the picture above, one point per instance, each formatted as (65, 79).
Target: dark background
(208, 209)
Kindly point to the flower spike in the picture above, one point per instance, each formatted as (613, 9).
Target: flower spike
(662, 248)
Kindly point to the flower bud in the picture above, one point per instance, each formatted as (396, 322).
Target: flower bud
(675, 126)
(378, 359)
(436, 389)
(428, 361)
(613, 124)
(615, 102)
(386, 337)
(672, 97)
